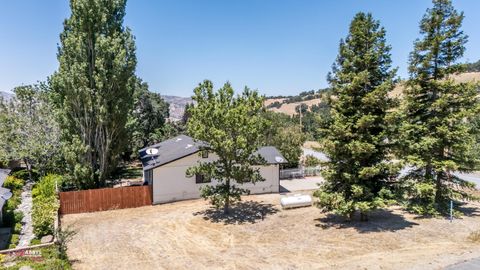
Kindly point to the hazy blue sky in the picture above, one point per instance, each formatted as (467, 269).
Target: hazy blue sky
(278, 47)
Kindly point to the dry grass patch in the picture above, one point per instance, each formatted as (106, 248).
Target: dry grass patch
(260, 235)
(474, 236)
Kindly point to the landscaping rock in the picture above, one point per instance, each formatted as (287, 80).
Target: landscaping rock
(46, 239)
(25, 267)
(26, 208)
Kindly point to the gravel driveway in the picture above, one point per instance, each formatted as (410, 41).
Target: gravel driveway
(186, 235)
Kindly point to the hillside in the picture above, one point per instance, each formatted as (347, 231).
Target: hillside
(285, 104)
(6, 95)
(177, 106)
(461, 78)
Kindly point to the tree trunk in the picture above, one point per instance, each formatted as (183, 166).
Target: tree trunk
(226, 207)
(29, 168)
(351, 216)
(428, 171)
(438, 187)
(363, 216)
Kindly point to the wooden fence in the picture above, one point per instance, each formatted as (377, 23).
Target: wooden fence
(93, 200)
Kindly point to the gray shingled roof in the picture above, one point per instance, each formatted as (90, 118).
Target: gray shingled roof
(182, 146)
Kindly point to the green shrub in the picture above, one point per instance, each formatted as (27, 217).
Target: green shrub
(18, 228)
(13, 183)
(25, 175)
(46, 187)
(311, 161)
(10, 217)
(14, 239)
(45, 205)
(44, 212)
(35, 241)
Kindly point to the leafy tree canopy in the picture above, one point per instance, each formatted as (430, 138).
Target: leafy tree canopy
(93, 89)
(233, 127)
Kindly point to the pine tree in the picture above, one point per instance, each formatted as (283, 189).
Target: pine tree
(437, 132)
(93, 88)
(358, 173)
(233, 127)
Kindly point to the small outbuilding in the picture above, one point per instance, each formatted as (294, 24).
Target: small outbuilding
(165, 165)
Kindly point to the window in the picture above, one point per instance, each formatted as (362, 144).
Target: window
(204, 154)
(200, 179)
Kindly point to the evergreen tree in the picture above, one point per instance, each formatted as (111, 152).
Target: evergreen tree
(93, 88)
(437, 132)
(233, 127)
(356, 142)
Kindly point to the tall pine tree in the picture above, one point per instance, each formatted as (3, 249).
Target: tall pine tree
(357, 175)
(93, 88)
(437, 132)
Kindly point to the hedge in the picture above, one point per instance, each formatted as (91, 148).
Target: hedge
(45, 205)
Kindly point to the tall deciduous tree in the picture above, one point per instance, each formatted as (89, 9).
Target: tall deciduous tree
(148, 117)
(437, 132)
(28, 130)
(286, 135)
(233, 128)
(93, 88)
(356, 142)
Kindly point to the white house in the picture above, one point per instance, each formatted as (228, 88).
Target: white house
(165, 165)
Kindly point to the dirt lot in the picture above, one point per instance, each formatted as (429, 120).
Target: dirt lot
(262, 236)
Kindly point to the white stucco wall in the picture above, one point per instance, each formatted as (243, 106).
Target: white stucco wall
(171, 184)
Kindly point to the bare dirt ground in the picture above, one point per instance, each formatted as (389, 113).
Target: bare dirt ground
(259, 235)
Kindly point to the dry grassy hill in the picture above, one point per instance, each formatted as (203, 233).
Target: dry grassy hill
(461, 78)
(289, 108)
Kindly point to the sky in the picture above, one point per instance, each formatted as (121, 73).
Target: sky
(280, 47)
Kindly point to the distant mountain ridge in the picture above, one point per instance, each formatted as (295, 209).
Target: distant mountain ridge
(6, 95)
(177, 106)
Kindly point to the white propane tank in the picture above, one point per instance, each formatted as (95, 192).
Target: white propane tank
(297, 200)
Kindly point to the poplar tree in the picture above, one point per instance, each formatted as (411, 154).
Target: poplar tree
(437, 133)
(356, 142)
(93, 88)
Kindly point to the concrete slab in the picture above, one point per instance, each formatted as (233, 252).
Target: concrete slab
(468, 265)
(299, 184)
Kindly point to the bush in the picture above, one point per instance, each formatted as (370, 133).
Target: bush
(311, 161)
(35, 241)
(14, 239)
(474, 236)
(13, 183)
(25, 175)
(46, 187)
(45, 205)
(18, 228)
(44, 212)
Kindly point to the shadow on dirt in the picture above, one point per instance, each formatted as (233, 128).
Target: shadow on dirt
(378, 221)
(241, 212)
(468, 210)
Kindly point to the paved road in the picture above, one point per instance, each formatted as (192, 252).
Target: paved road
(468, 265)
